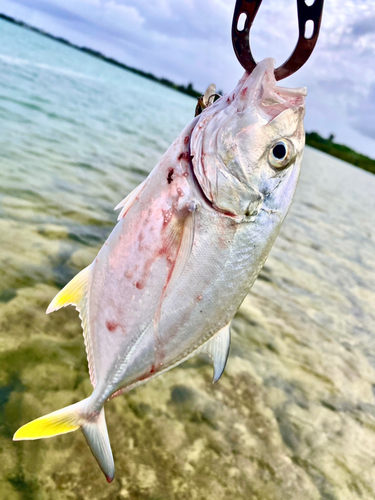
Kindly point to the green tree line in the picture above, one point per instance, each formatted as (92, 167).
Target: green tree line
(340, 151)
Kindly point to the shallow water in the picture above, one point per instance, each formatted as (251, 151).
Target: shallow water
(293, 415)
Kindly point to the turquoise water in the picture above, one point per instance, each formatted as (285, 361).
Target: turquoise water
(293, 416)
(76, 136)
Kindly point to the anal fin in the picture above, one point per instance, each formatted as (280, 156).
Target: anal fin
(217, 348)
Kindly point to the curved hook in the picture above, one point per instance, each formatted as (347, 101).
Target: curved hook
(303, 49)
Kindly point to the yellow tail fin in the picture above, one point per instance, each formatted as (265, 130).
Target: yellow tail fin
(69, 419)
(58, 422)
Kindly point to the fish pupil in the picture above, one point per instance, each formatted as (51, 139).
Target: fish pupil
(279, 151)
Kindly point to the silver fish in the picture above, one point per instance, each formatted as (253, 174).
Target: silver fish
(189, 243)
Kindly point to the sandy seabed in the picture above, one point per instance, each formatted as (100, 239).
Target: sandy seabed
(293, 416)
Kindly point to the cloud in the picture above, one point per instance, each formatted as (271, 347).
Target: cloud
(362, 116)
(363, 26)
(190, 41)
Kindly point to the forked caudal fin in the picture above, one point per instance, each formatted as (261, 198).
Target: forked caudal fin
(70, 419)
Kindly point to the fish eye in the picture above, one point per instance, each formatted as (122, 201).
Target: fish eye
(279, 154)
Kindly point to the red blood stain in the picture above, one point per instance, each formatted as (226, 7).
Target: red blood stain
(111, 326)
(170, 175)
(145, 270)
(148, 374)
(186, 140)
(228, 100)
(154, 368)
(162, 251)
(243, 92)
(184, 156)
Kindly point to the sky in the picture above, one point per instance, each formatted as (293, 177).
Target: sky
(190, 41)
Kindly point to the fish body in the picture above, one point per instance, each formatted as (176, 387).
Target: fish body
(189, 243)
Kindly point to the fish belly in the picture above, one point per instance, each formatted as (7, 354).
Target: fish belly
(160, 331)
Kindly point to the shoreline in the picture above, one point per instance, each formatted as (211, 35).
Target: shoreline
(188, 89)
(313, 139)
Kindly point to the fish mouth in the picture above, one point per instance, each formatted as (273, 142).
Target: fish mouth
(229, 139)
(259, 90)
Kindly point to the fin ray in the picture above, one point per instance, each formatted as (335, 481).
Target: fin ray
(69, 419)
(184, 251)
(96, 435)
(180, 240)
(58, 422)
(217, 348)
(73, 293)
(128, 201)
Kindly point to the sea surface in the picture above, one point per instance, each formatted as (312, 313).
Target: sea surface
(293, 416)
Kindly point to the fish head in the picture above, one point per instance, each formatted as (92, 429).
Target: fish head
(247, 147)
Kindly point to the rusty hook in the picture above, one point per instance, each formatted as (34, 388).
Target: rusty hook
(303, 49)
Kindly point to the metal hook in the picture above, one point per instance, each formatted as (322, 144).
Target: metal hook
(303, 49)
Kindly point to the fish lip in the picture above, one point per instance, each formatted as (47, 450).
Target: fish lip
(259, 91)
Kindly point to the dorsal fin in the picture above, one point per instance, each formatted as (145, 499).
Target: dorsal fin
(128, 201)
(75, 293)
(217, 348)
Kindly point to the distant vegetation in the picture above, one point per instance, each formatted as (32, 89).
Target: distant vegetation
(312, 139)
(340, 151)
(188, 89)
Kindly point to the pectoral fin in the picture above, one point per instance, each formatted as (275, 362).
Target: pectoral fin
(178, 245)
(217, 348)
(181, 237)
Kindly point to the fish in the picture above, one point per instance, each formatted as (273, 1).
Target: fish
(189, 243)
